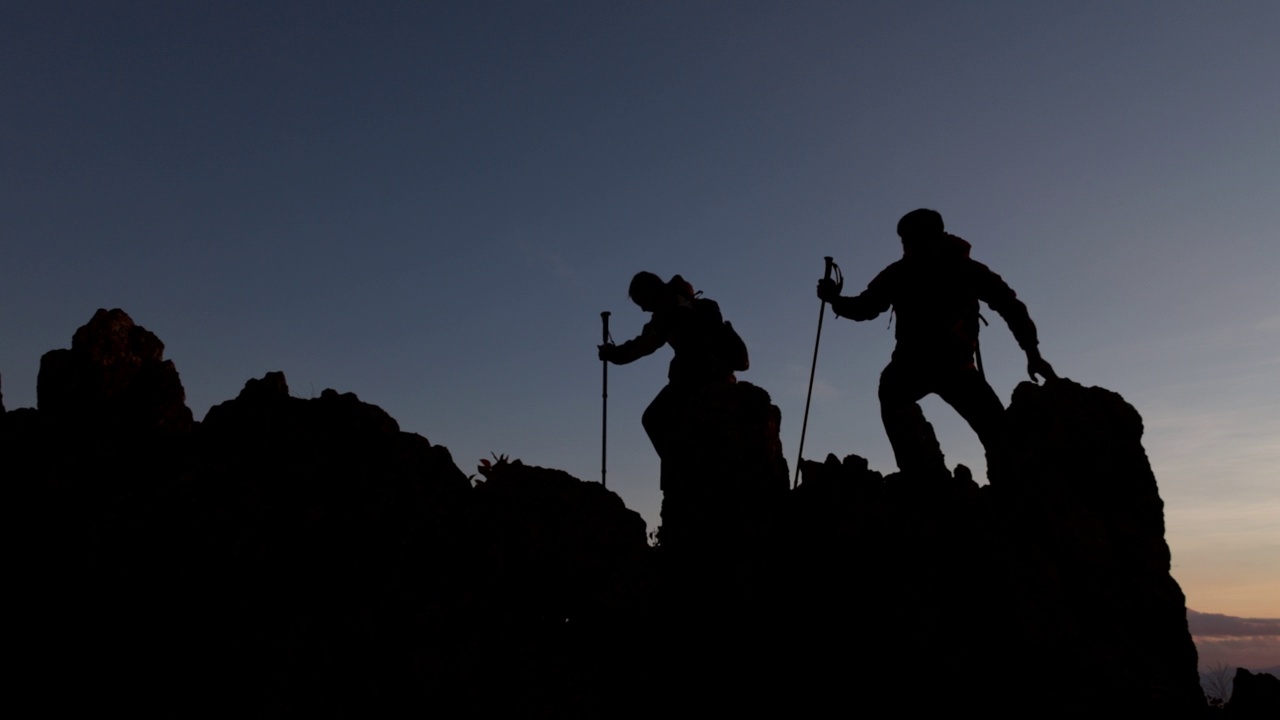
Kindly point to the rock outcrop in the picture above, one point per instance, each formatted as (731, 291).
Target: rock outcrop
(298, 556)
(1254, 695)
(730, 476)
(1057, 574)
(1082, 519)
(113, 377)
(291, 556)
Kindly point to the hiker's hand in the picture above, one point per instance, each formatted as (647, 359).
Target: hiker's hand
(828, 291)
(605, 351)
(1037, 365)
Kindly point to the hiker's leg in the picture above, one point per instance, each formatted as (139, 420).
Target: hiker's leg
(660, 419)
(968, 392)
(915, 446)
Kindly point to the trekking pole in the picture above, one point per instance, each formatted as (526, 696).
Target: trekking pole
(604, 412)
(804, 427)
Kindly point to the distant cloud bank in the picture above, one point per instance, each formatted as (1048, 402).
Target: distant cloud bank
(1252, 643)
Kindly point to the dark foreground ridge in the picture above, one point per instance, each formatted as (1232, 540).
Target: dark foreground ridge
(305, 557)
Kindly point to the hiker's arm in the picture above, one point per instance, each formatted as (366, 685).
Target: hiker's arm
(995, 292)
(646, 343)
(873, 301)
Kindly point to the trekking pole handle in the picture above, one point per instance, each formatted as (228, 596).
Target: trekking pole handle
(830, 264)
(604, 318)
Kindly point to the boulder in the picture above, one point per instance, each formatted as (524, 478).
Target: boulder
(1254, 695)
(1079, 522)
(114, 378)
(729, 476)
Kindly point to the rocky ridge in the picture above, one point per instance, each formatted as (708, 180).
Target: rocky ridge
(289, 556)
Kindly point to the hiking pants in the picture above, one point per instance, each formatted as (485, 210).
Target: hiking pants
(660, 417)
(661, 421)
(915, 446)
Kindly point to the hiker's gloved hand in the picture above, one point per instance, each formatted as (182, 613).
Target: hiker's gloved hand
(1037, 365)
(828, 290)
(605, 352)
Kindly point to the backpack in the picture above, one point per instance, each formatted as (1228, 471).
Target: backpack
(723, 342)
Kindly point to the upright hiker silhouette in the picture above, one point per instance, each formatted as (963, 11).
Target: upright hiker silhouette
(933, 292)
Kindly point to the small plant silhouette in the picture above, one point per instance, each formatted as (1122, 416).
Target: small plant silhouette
(1217, 680)
(487, 467)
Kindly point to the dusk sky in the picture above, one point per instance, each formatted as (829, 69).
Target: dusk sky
(430, 203)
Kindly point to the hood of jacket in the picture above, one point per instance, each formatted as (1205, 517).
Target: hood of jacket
(939, 247)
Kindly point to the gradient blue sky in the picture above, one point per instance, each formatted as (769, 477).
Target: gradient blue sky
(430, 203)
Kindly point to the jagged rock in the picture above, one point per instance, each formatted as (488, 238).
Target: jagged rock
(1254, 695)
(562, 573)
(355, 540)
(1073, 439)
(114, 378)
(306, 557)
(265, 406)
(333, 451)
(730, 475)
(1057, 572)
(1080, 517)
(563, 543)
(834, 489)
(723, 497)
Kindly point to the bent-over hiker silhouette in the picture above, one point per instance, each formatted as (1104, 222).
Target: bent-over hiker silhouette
(707, 352)
(934, 292)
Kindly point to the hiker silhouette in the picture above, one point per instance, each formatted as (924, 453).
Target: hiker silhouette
(707, 353)
(934, 291)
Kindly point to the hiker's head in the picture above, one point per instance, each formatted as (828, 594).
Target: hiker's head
(648, 291)
(920, 231)
(922, 224)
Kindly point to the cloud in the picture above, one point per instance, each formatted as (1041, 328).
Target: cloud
(1241, 642)
(1212, 624)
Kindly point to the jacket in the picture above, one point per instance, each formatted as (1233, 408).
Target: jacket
(934, 292)
(685, 327)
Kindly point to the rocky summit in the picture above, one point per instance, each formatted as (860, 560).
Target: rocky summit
(291, 556)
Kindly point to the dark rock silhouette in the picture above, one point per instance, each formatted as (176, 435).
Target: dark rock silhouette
(1082, 503)
(726, 474)
(562, 576)
(1062, 564)
(568, 534)
(1254, 695)
(265, 406)
(292, 556)
(114, 369)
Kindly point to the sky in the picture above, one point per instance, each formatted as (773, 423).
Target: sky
(430, 204)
